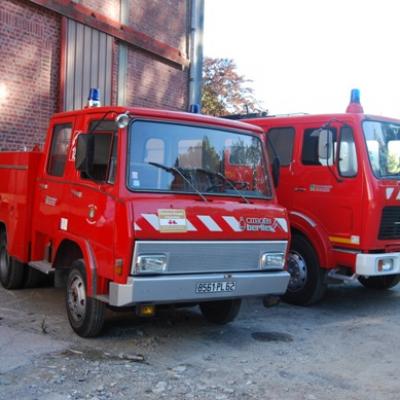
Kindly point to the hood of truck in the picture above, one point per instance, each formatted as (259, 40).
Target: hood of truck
(217, 219)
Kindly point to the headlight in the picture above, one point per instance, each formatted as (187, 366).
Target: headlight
(151, 263)
(272, 261)
(385, 265)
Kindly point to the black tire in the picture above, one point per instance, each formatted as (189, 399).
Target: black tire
(307, 279)
(11, 270)
(220, 312)
(34, 278)
(85, 314)
(380, 282)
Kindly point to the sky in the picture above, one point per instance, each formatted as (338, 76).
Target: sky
(307, 55)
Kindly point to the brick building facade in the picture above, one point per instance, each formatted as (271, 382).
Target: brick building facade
(52, 51)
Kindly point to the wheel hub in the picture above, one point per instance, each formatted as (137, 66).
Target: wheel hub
(297, 268)
(77, 298)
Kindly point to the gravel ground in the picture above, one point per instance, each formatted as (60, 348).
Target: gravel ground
(344, 348)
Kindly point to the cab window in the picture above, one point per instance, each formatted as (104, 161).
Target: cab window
(280, 143)
(347, 153)
(104, 151)
(59, 149)
(319, 145)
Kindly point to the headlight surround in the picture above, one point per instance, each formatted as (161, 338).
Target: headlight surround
(272, 261)
(151, 263)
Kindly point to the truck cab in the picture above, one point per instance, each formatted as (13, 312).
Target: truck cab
(140, 207)
(340, 180)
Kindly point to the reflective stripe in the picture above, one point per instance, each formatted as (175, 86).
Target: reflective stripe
(233, 223)
(209, 223)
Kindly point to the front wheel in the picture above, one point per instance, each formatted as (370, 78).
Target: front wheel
(220, 312)
(307, 279)
(380, 282)
(85, 314)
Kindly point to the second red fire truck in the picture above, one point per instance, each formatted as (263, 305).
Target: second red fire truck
(340, 180)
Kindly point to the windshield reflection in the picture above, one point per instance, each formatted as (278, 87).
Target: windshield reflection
(383, 144)
(172, 157)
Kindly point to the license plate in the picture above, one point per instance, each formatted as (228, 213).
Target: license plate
(215, 287)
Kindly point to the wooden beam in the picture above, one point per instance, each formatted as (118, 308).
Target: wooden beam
(87, 16)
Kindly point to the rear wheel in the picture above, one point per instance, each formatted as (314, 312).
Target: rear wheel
(307, 280)
(11, 270)
(85, 314)
(220, 312)
(380, 282)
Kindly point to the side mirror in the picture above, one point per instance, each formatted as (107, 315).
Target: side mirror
(276, 170)
(84, 153)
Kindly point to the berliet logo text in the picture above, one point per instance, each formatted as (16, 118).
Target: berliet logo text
(257, 224)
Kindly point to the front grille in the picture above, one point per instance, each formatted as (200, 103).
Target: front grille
(390, 223)
(209, 256)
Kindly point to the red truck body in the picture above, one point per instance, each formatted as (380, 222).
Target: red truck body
(340, 180)
(132, 244)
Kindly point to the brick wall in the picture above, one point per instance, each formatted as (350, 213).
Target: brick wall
(29, 72)
(155, 84)
(165, 20)
(30, 41)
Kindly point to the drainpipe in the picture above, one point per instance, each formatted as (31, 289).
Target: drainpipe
(196, 51)
(123, 56)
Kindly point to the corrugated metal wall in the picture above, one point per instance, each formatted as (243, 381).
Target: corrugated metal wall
(88, 63)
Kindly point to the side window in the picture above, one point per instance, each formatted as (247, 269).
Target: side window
(347, 153)
(104, 158)
(280, 143)
(319, 146)
(59, 149)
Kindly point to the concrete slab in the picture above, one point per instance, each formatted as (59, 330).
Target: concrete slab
(19, 348)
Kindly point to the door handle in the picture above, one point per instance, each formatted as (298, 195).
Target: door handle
(76, 193)
(43, 185)
(300, 189)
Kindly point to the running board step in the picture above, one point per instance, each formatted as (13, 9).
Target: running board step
(42, 266)
(333, 274)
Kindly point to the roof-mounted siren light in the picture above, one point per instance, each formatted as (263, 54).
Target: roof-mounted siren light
(355, 103)
(194, 108)
(94, 98)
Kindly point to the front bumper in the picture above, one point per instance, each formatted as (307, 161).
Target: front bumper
(182, 288)
(368, 264)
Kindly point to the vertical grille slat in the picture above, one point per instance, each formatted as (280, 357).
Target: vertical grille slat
(390, 223)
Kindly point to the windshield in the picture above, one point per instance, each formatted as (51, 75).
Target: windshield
(383, 144)
(169, 157)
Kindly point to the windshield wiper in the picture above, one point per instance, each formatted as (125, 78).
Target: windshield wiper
(225, 179)
(176, 170)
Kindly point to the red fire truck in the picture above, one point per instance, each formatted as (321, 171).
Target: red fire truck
(340, 180)
(140, 207)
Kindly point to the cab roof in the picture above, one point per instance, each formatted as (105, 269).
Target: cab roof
(164, 115)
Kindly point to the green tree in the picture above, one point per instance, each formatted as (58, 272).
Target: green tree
(224, 91)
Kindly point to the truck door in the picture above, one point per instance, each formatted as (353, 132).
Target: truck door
(51, 187)
(91, 212)
(327, 186)
(280, 142)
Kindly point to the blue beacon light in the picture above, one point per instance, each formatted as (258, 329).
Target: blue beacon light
(94, 98)
(355, 103)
